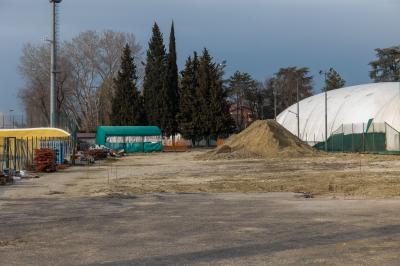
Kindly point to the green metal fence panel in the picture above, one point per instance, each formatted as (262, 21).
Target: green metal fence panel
(152, 147)
(136, 147)
(370, 138)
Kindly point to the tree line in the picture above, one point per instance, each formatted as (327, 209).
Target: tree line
(194, 104)
(106, 80)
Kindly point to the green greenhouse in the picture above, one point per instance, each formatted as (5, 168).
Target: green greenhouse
(131, 139)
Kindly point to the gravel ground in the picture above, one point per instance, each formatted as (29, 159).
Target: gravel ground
(200, 229)
(141, 210)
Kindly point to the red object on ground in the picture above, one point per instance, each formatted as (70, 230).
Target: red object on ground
(45, 160)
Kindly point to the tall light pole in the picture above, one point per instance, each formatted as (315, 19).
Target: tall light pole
(326, 108)
(297, 113)
(274, 92)
(326, 117)
(298, 110)
(53, 67)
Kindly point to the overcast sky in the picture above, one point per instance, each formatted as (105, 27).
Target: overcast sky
(255, 36)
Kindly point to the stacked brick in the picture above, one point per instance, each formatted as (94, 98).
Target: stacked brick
(45, 160)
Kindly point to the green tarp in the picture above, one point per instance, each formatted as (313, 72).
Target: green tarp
(362, 142)
(103, 132)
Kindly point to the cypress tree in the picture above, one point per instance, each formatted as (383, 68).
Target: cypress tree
(213, 117)
(203, 116)
(170, 100)
(154, 79)
(188, 102)
(126, 103)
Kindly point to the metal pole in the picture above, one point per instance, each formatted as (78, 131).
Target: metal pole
(373, 137)
(275, 104)
(326, 116)
(352, 138)
(342, 138)
(363, 139)
(53, 76)
(298, 111)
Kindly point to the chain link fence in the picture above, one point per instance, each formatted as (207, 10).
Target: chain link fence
(12, 121)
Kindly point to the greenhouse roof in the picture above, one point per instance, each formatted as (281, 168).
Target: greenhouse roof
(104, 131)
(350, 105)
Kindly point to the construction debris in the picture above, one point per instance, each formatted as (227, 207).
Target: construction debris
(4, 180)
(6, 177)
(98, 154)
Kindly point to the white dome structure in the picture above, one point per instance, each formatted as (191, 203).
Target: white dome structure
(350, 105)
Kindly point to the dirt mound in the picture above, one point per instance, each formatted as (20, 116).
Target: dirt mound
(262, 139)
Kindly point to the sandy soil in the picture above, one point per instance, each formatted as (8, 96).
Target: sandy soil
(115, 213)
(199, 229)
(335, 175)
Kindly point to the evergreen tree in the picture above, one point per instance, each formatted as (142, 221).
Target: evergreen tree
(213, 117)
(222, 122)
(284, 84)
(386, 67)
(170, 96)
(333, 80)
(188, 102)
(127, 108)
(203, 116)
(154, 79)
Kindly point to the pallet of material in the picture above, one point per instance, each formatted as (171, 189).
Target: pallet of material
(45, 160)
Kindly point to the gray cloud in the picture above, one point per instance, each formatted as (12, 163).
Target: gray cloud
(257, 36)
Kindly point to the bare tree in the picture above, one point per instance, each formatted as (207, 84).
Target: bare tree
(34, 67)
(256, 97)
(88, 63)
(239, 84)
(95, 59)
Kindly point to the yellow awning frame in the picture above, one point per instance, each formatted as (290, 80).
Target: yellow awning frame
(41, 132)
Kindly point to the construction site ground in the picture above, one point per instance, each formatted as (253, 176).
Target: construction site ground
(177, 209)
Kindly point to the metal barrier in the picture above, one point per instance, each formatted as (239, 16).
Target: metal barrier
(170, 145)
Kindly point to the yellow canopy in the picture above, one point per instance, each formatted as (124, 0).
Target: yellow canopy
(45, 132)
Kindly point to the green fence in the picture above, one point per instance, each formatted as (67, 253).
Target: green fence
(365, 137)
(135, 147)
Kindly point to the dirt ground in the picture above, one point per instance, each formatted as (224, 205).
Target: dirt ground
(334, 175)
(174, 209)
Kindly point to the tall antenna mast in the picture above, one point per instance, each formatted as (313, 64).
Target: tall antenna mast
(53, 70)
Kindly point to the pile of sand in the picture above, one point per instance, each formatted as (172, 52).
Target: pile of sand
(262, 139)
